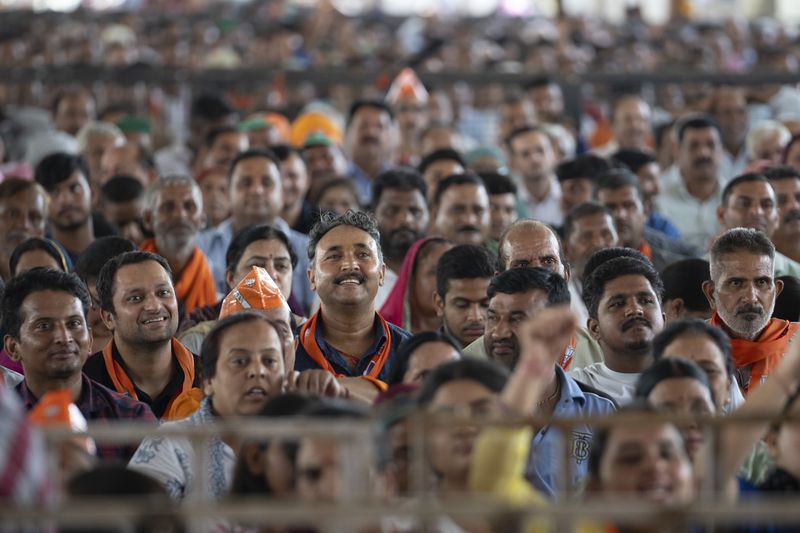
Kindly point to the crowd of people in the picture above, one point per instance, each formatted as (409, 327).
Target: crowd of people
(407, 258)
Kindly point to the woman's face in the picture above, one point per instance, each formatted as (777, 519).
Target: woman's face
(685, 396)
(646, 462)
(427, 357)
(33, 259)
(249, 369)
(425, 279)
(338, 200)
(704, 351)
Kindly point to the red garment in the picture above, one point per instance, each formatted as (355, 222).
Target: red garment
(395, 309)
(763, 354)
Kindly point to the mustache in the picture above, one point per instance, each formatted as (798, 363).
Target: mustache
(703, 161)
(359, 277)
(628, 324)
(749, 310)
(468, 228)
(792, 215)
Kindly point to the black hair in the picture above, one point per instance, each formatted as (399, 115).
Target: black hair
(617, 178)
(214, 133)
(633, 159)
(749, 177)
(696, 122)
(105, 279)
(74, 90)
(694, 326)
(669, 368)
(594, 285)
(37, 243)
(787, 303)
(607, 254)
(587, 166)
(454, 181)
(36, 280)
(211, 107)
(252, 154)
(465, 261)
(578, 212)
(328, 221)
(684, 279)
(524, 279)
(661, 132)
(407, 348)
(368, 102)
(121, 188)
(209, 351)
(58, 167)
(782, 172)
(497, 183)
(443, 154)
(284, 151)
(251, 234)
(92, 259)
(398, 179)
(490, 375)
(523, 130)
(539, 81)
(334, 183)
(740, 240)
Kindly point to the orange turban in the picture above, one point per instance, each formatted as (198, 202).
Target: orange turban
(314, 122)
(256, 291)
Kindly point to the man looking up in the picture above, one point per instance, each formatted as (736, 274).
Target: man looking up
(742, 293)
(346, 336)
(623, 297)
(174, 213)
(144, 360)
(296, 211)
(691, 201)
(532, 159)
(502, 203)
(748, 201)
(785, 181)
(439, 164)
(370, 142)
(324, 160)
(63, 176)
(22, 216)
(460, 210)
(618, 190)
(44, 317)
(256, 198)
(462, 278)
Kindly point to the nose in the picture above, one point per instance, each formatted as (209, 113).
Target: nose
(501, 330)
(475, 313)
(61, 334)
(634, 309)
(150, 302)
(256, 369)
(349, 262)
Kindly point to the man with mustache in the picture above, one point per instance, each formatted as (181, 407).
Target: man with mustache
(398, 202)
(460, 210)
(742, 293)
(22, 216)
(748, 201)
(623, 297)
(618, 190)
(346, 337)
(174, 213)
(630, 125)
(785, 181)
(144, 360)
(370, 142)
(532, 158)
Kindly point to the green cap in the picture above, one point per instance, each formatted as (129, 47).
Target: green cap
(133, 124)
(253, 124)
(317, 139)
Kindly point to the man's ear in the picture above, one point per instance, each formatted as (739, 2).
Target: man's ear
(438, 304)
(208, 388)
(721, 215)
(778, 287)
(229, 278)
(11, 345)
(310, 275)
(108, 319)
(382, 275)
(567, 271)
(673, 309)
(708, 290)
(594, 328)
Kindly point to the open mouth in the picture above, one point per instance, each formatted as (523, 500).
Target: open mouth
(256, 393)
(156, 320)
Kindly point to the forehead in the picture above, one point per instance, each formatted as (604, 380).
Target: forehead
(632, 105)
(254, 335)
(50, 304)
(461, 392)
(527, 301)
(700, 135)
(625, 192)
(75, 177)
(696, 346)
(370, 113)
(743, 262)
(398, 196)
(346, 236)
(627, 285)
(643, 435)
(28, 198)
(265, 247)
(255, 165)
(532, 138)
(594, 221)
(531, 240)
(786, 185)
(229, 137)
(141, 274)
(754, 189)
(503, 198)
(468, 288)
(672, 388)
(173, 193)
(468, 192)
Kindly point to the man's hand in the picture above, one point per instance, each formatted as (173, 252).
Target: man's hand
(318, 382)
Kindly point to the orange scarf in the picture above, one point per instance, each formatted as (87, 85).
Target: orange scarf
(763, 354)
(195, 286)
(646, 250)
(309, 342)
(124, 385)
(569, 354)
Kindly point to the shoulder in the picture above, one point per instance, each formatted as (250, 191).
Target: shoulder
(398, 334)
(596, 400)
(122, 406)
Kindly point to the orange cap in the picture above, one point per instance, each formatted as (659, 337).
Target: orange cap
(256, 291)
(407, 85)
(55, 409)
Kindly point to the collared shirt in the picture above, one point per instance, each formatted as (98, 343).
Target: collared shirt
(696, 220)
(733, 166)
(363, 182)
(620, 386)
(214, 242)
(548, 210)
(95, 368)
(303, 361)
(100, 403)
(544, 464)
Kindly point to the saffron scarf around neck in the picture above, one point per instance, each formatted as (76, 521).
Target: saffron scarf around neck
(123, 383)
(397, 307)
(307, 339)
(195, 285)
(764, 353)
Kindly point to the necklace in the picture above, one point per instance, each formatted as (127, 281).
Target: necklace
(552, 397)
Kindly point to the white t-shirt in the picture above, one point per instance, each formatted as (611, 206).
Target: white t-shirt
(618, 385)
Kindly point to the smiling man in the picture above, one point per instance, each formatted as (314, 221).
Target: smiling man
(742, 292)
(346, 336)
(144, 360)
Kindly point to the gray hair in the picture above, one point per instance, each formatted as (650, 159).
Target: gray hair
(98, 129)
(740, 240)
(764, 129)
(171, 180)
(328, 221)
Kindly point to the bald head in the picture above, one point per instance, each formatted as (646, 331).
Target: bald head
(530, 243)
